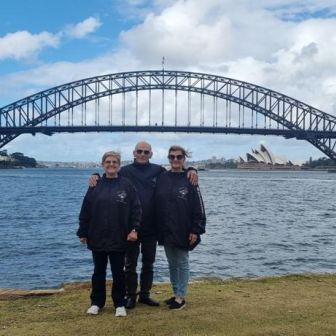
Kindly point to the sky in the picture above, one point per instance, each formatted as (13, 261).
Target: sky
(286, 45)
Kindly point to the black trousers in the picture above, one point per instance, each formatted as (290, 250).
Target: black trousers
(117, 263)
(147, 246)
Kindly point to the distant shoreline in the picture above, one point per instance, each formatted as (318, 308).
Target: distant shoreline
(330, 170)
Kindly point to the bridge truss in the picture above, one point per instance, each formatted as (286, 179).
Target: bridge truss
(167, 101)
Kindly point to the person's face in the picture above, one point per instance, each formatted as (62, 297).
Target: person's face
(176, 160)
(142, 153)
(111, 166)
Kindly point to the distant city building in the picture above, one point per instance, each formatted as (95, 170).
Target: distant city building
(263, 158)
(73, 164)
(215, 160)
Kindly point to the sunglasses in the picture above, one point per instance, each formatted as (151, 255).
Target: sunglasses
(112, 162)
(178, 157)
(141, 151)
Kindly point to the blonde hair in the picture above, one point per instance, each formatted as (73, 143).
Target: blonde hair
(111, 153)
(179, 148)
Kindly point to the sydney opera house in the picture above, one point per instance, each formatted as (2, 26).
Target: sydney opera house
(264, 159)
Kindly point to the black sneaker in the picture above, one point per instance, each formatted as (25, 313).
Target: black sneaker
(177, 306)
(169, 301)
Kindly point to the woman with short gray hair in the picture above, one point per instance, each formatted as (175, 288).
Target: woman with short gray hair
(110, 216)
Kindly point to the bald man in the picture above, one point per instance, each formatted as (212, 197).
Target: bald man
(143, 174)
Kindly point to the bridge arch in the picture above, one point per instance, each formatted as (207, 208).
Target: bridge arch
(288, 117)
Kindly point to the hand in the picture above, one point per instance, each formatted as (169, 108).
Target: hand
(192, 238)
(132, 236)
(83, 240)
(192, 177)
(93, 180)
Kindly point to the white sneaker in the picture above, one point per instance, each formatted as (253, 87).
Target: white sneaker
(120, 311)
(93, 310)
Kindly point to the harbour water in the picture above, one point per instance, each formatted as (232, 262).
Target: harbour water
(258, 224)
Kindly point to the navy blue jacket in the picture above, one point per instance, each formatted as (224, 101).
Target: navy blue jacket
(144, 177)
(109, 212)
(179, 210)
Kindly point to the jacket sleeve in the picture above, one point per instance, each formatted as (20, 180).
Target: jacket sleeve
(85, 215)
(198, 212)
(135, 209)
(157, 212)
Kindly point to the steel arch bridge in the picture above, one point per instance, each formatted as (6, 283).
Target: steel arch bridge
(225, 105)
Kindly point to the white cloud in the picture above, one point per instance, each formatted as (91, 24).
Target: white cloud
(194, 32)
(17, 85)
(24, 45)
(242, 40)
(298, 10)
(82, 29)
(182, 33)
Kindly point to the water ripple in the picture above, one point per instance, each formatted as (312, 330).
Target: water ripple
(259, 224)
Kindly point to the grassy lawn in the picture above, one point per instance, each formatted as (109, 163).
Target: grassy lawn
(280, 306)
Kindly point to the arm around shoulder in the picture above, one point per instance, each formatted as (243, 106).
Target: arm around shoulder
(93, 179)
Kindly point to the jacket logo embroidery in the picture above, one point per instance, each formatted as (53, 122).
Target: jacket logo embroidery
(121, 196)
(182, 193)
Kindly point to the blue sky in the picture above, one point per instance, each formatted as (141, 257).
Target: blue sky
(55, 16)
(286, 45)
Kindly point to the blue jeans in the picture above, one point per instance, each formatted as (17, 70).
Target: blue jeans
(178, 261)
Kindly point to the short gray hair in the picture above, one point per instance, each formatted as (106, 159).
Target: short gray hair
(112, 153)
(143, 143)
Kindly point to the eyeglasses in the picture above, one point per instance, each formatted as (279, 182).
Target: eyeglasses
(112, 162)
(178, 157)
(141, 151)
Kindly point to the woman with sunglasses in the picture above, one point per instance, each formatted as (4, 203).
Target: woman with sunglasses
(181, 221)
(110, 216)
